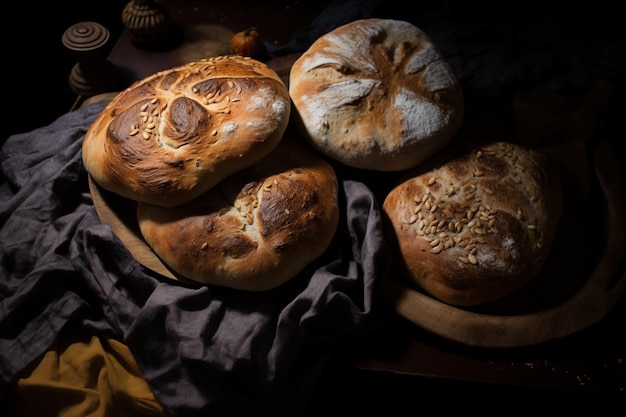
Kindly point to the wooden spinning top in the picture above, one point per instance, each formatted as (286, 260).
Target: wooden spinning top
(147, 21)
(93, 73)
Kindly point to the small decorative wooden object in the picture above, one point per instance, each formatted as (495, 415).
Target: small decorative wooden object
(93, 73)
(148, 22)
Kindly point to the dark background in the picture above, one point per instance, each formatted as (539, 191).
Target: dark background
(37, 64)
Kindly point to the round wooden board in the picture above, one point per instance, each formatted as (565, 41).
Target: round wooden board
(576, 289)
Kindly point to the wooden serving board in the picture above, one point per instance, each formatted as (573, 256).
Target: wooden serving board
(583, 280)
(120, 214)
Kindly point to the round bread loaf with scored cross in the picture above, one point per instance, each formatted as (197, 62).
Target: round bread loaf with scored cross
(376, 94)
(254, 230)
(475, 227)
(170, 137)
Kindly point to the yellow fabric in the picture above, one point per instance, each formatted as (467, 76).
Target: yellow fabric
(94, 377)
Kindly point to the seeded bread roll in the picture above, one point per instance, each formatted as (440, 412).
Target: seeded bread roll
(376, 94)
(170, 137)
(478, 226)
(254, 230)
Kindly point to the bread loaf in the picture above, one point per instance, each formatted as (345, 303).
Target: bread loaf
(376, 94)
(172, 136)
(477, 226)
(254, 230)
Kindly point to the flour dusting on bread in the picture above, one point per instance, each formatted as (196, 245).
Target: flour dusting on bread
(376, 94)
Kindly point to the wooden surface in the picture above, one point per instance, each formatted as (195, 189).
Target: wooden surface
(204, 29)
(588, 360)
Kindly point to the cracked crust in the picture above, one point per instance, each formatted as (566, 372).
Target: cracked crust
(254, 230)
(173, 135)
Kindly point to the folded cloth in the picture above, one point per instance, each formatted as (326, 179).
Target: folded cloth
(201, 349)
(87, 376)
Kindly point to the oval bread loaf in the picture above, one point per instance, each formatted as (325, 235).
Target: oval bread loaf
(376, 94)
(476, 227)
(170, 137)
(254, 230)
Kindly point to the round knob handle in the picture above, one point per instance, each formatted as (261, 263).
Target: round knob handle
(85, 37)
(93, 73)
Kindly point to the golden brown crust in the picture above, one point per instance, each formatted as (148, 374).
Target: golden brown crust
(173, 135)
(376, 94)
(254, 230)
(477, 227)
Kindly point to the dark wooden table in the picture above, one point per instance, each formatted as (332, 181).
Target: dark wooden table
(407, 361)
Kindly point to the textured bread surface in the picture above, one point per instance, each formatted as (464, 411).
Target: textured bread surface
(477, 226)
(376, 94)
(254, 230)
(170, 137)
